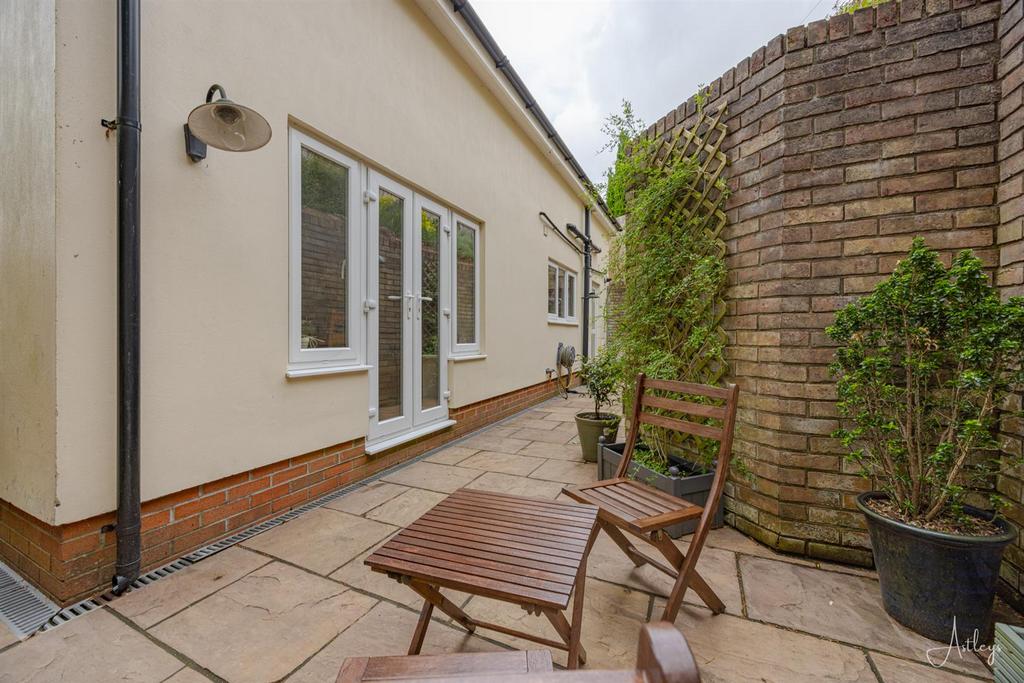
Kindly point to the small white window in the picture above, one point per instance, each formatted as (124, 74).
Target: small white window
(466, 286)
(325, 257)
(561, 294)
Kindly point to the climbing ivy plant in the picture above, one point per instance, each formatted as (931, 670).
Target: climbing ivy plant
(669, 261)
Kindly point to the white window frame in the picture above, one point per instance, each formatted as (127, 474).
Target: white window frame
(453, 237)
(302, 362)
(563, 275)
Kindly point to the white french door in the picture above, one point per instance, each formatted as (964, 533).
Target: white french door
(432, 230)
(407, 324)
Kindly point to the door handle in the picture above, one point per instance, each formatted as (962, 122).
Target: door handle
(395, 297)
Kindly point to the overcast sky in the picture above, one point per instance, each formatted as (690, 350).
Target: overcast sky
(581, 58)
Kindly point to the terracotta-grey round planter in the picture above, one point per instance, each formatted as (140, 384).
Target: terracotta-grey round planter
(930, 578)
(591, 427)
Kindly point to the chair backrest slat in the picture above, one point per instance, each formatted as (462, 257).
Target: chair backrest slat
(725, 413)
(699, 409)
(684, 426)
(687, 388)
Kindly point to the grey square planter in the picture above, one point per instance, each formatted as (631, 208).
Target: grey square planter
(694, 488)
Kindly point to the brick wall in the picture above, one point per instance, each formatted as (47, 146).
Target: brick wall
(1010, 237)
(74, 561)
(848, 137)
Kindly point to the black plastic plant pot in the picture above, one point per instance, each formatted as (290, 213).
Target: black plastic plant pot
(932, 580)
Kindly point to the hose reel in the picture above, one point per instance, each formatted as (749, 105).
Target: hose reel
(565, 361)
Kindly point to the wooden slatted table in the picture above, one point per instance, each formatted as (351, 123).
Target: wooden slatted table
(527, 551)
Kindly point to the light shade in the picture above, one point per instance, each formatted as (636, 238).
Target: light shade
(229, 126)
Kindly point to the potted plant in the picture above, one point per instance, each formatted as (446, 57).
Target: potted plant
(599, 373)
(923, 366)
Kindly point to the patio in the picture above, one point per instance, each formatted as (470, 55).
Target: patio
(294, 602)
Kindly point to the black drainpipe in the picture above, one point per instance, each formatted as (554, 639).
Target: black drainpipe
(588, 249)
(129, 134)
(586, 280)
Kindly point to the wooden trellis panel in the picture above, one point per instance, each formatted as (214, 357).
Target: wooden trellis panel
(702, 206)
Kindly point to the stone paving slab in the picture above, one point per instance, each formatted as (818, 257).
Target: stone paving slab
(543, 435)
(717, 566)
(430, 475)
(893, 670)
(385, 630)
(612, 616)
(506, 463)
(188, 676)
(452, 455)
(730, 539)
(539, 449)
(566, 472)
(488, 441)
(321, 540)
(7, 637)
(156, 602)
(95, 647)
(845, 608)
(265, 625)
(406, 508)
(362, 500)
(729, 649)
(528, 422)
(516, 486)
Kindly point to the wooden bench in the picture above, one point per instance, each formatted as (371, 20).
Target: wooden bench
(663, 656)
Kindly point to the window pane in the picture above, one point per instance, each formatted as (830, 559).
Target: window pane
(570, 296)
(391, 306)
(561, 293)
(430, 228)
(552, 296)
(324, 307)
(465, 285)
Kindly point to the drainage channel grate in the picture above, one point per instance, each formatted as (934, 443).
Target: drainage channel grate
(54, 617)
(22, 608)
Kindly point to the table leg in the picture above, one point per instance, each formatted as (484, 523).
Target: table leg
(421, 627)
(434, 596)
(565, 631)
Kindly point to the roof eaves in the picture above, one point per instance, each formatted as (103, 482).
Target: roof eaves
(501, 62)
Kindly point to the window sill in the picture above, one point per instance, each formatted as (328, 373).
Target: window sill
(387, 444)
(564, 323)
(467, 357)
(298, 373)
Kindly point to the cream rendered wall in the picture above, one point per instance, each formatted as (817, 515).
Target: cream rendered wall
(374, 77)
(27, 255)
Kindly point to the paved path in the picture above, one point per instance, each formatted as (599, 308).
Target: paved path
(292, 603)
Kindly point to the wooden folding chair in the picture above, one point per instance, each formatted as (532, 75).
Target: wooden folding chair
(644, 511)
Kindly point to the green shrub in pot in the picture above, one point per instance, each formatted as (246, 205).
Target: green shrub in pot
(600, 373)
(924, 364)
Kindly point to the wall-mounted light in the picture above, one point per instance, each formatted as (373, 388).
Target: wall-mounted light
(225, 125)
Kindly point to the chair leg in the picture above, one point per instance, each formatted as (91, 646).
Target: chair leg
(676, 558)
(620, 540)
